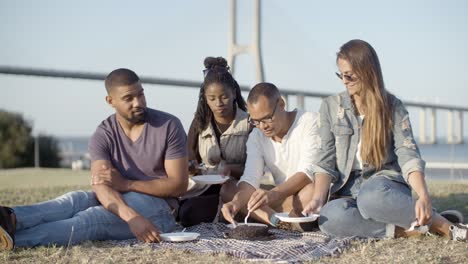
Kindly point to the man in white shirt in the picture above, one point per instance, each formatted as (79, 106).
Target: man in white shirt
(286, 144)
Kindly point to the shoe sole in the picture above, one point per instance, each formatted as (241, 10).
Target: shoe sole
(450, 214)
(6, 242)
(462, 232)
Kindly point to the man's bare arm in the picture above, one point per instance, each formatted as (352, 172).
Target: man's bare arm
(244, 193)
(240, 199)
(322, 186)
(173, 186)
(290, 187)
(113, 201)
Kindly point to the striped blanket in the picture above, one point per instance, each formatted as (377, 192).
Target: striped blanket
(287, 246)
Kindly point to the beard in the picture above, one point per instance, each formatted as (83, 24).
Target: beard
(138, 116)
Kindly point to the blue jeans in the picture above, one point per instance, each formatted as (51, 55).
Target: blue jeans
(374, 211)
(78, 216)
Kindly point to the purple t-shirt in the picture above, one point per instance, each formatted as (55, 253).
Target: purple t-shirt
(163, 138)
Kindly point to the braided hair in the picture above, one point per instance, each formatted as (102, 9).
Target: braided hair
(216, 71)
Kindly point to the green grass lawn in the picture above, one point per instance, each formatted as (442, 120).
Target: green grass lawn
(35, 178)
(26, 186)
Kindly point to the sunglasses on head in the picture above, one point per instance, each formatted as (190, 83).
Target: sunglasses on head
(348, 78)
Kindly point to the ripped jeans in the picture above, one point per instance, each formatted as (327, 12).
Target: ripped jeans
(78, 216)
(373, 210)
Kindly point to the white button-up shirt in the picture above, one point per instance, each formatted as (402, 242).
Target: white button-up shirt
(295, 153)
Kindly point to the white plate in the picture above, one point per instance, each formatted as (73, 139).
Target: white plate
(210, 179)
(191, 183)
(231, 226)
(286, 218)
(179, 236)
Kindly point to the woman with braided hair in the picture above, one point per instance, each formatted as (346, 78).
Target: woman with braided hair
(216, 138)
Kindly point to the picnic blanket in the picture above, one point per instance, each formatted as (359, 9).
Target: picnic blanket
(287, 246)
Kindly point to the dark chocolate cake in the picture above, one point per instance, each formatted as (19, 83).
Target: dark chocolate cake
(245, 232)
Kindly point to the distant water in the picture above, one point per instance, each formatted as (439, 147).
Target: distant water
(445, 152)
(74, 144)
(72, 148)
(452, 153)
(76, 147)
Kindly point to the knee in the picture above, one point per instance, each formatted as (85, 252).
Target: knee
(228, 190)
(79, 195)
(335, 214)
(199, 209)
(372, 197)
(146, 205)
(304, 196)
(380, 195)
(81, 199)
(335, 210)
(134, 199)
(155, 209)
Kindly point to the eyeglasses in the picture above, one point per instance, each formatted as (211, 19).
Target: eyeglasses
(266, 120)
(349, 78)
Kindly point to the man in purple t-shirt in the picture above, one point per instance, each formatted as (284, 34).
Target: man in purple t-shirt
(138, 167)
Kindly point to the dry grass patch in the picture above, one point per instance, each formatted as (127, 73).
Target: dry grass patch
(102, 252)
(446, 195)
(35, 178)
(413, 250)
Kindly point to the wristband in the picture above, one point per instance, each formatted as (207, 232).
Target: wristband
(274, 220)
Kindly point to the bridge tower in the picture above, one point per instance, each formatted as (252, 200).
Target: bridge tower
(253, 48)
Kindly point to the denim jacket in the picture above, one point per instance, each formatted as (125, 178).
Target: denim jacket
(339, 137)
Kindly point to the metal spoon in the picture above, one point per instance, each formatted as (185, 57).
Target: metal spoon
(246, 217)
(234, 224)
(201, 166)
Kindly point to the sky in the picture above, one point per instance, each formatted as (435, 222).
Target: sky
(422, 46)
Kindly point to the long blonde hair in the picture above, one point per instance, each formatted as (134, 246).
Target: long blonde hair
(377, 128)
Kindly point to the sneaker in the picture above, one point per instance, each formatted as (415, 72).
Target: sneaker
(7, 229)
(459, 232)
(454, 216)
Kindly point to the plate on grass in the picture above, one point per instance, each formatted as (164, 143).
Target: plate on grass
(231, 226)
(210, 179)
(179, 236)
(301, 219)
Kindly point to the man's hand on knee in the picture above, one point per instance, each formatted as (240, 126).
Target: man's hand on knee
(143, 229)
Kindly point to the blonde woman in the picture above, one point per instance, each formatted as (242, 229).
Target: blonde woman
(369, 153)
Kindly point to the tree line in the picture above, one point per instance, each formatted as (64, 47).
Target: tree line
(17, 144)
